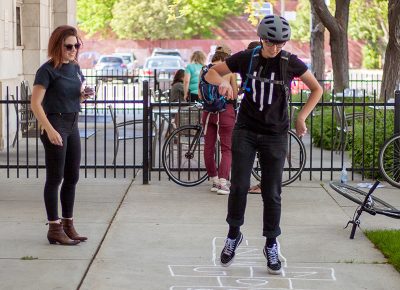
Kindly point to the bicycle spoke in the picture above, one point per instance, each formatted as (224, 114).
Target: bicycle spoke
(389, 160)
(358, 196)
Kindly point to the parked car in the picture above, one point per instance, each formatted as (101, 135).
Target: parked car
(88, 59)
(166, 52)
(111, 67)
(166, 66)
(129, 59)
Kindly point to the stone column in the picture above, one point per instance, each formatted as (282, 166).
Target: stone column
(64, 12)
(35, 32)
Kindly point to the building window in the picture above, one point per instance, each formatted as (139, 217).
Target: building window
(18, 26)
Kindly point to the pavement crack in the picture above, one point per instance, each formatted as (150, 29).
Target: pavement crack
(105, 234)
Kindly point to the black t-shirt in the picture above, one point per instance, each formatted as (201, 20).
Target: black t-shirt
(264, 109)
(63, 87)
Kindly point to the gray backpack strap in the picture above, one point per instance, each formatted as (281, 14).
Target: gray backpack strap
(283, 67)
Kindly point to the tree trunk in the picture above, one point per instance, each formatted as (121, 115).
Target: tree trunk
(391, 67)
(317, 46)
(340, 60)
(337, 27)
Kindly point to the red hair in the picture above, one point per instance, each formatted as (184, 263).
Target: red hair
(56, 43)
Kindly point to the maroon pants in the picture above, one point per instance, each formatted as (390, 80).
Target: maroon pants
(218, 124)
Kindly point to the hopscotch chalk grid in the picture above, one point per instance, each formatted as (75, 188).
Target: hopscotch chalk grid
(248, 271)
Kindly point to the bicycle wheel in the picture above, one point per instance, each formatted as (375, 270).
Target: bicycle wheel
(358, 196)
(182, 156)
(389, 160)
(294, 163)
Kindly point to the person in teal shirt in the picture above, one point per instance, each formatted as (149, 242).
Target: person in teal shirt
(192, 72)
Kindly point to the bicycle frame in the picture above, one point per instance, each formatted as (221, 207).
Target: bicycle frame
(194, 142)
(367, 206)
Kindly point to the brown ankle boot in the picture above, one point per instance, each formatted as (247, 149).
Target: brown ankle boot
(56, 235)
(69, 229)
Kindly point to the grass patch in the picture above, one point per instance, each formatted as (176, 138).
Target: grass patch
(388, 242)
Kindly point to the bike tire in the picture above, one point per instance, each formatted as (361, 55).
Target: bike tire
(182, 168)
(358, 196)
(296, 154)
(389, 160)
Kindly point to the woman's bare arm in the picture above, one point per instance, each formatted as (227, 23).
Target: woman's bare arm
(36, 105)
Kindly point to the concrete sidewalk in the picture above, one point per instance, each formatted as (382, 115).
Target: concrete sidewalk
(163, 236)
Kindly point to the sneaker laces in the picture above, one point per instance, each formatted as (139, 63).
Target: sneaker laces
(273, 256)
(229, 246)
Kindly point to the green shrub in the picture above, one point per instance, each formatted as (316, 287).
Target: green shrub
(322, 131)
(366, 149)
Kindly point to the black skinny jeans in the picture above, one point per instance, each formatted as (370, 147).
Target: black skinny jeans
(272, 153)
(62, 165)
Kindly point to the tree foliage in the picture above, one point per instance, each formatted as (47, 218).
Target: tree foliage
(152, 19)
(146, 19)
(94, 15)
(301, 26)
(369, 22)
(201, 16)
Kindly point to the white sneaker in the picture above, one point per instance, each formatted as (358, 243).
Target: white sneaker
(214, 187)
(223, 189)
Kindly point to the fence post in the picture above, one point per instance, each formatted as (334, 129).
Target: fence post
(145, 132)
(397, 111)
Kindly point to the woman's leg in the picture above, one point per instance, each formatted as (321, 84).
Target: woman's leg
(71, 173)
(209, 143)
(226, 124)
(54, 162)
(194, 97)
(71, 177)
(273, 150)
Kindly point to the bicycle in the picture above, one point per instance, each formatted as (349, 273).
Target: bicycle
(294, 163)
(366, 201)
(183, 160)
(389, 166)
(389, 160)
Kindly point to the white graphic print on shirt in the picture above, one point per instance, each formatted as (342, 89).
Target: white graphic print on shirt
(255, 82)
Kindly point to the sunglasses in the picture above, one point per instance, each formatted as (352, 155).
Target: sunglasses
(69, 47)
(271, 44)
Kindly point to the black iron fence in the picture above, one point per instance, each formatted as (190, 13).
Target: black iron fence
(124, 127)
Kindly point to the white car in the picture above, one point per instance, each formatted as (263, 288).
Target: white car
(165, 66)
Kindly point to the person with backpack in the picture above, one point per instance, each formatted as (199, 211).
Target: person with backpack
(218, 121)
(262, 125)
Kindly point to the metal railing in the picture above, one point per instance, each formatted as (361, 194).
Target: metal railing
(146, 120)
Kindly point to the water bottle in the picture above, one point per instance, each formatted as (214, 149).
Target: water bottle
(343, 175)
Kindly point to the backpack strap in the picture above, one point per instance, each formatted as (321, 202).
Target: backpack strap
(255, 56)
(284, 61)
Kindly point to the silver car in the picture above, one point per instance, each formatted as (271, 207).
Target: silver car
(165, 66)
(111, 67)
